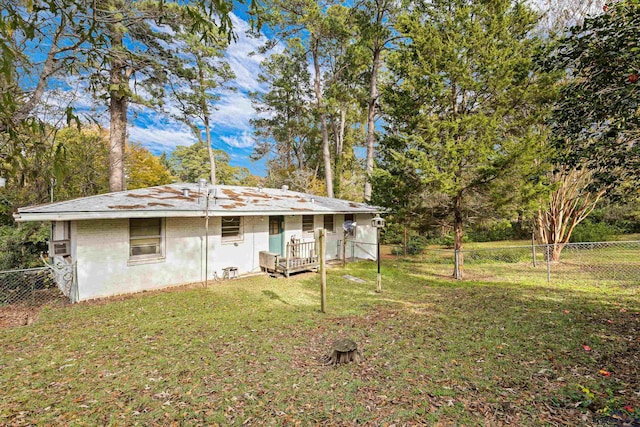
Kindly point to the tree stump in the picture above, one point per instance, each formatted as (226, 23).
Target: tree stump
(343, 351)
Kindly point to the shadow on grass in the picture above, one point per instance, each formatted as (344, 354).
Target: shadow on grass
(448, 352)
(272, 295)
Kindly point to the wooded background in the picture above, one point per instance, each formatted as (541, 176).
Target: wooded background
(466, 119)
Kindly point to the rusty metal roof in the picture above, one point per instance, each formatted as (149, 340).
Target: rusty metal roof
(170, 201)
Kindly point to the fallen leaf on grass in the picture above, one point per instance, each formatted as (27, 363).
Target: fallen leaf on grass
(586, 348)
(604, 372)
(628, 408)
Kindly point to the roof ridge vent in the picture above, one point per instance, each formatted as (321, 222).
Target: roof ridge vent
(285, 188)
(185, 192)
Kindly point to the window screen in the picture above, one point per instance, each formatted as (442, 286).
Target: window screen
(231, 227)
(145, 237)
(307, 222)
(328, 223)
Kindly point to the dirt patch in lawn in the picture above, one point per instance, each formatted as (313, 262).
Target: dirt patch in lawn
(16, 315)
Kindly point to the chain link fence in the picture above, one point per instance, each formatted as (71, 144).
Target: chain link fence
(587, 262)
(35, 287)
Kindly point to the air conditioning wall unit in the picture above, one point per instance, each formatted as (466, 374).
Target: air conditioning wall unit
(60, 248)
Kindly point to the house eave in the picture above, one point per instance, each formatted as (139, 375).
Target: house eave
(77, 216)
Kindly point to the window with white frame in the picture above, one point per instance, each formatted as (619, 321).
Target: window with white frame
(328, 223)
(307, 222)
(231, 227)
(146, 238)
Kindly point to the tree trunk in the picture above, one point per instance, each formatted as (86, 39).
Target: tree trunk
(568, 205)
(371, 121)
(207, 126)
(339, 132)
(326, 151)
(404, 241)
(343, 351)
(458, 232)
(212, 157)
(118, 106)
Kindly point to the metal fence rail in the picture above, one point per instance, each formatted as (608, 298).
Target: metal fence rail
(594, 261)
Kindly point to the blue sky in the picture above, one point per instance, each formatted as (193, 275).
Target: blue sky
(231, 130)
(160, 133)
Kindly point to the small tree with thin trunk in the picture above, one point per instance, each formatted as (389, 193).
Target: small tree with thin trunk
(567, 206)
(204, 74)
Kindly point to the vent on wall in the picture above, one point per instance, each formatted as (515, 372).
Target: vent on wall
(61, 248)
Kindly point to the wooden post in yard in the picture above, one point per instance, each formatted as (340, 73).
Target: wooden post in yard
(322, 234)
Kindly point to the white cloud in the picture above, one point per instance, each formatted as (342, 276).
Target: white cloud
(234, 111)
(161, 138)
(244, 140)
(243, 57)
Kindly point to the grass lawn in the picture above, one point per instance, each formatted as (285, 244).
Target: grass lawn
(249, 351)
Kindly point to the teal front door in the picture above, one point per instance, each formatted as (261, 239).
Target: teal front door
(276, 234)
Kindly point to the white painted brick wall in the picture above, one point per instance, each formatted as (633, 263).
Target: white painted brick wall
(101, 250)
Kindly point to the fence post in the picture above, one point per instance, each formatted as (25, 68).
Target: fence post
(456, 269)
(548, 264)
(33, 292)
(323, 269)
(288, 256)
(533, 249)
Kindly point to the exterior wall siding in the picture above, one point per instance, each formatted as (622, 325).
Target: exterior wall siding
(101, 250)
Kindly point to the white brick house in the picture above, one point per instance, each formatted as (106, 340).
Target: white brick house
(158, 237)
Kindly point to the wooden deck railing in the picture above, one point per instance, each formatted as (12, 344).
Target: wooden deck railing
(300, 256)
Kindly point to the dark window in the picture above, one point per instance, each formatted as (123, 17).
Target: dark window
(274, 225)
(231, 228)
(145, 237)
(349, 217)
(328, 223)
(307, 222)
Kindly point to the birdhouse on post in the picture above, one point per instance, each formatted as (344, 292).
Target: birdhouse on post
(378, 223)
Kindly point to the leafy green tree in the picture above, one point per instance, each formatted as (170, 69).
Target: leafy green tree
(85, 170)
(286, 128)
(595, 122)
(139, 43)
(375, 20)
(36, 49)
(144, 169)
(463, 113)
(204, 73)
(191, 163)
(316, 27)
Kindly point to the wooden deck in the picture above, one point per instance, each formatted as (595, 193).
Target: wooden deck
(301, 256)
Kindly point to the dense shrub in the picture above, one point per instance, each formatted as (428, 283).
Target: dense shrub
(448, 241)
(21, 245)
(392, 234)
(498, 230)
(510, 256)
(415, 246)
(588, 231)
